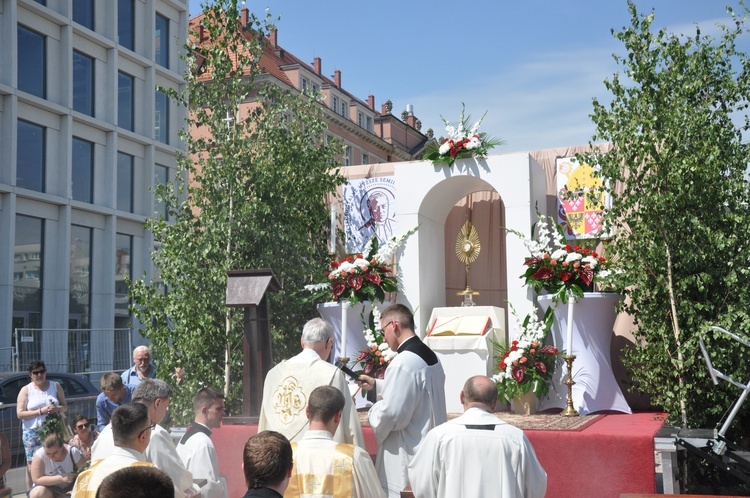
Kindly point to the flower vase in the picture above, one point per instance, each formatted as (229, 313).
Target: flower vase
(524, 404)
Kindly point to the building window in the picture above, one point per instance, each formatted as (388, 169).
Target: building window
(32, 62)
(316, 89)
(80, 277)
(126, 23)
(365, 158)
(161, 177)
(161, 118)
(344, 105)
(161, 45)
(123, 271)
(360, 120)
(30, 158)
(347, 156)
(305, 85)
(124, 182)
(83, 170)
(125, 99)
(83, 13)
(83, 83)
(368, 125)
(27, 291)
(335, 104)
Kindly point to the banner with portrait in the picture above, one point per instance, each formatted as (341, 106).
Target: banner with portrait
(369, 208)
(580, 215)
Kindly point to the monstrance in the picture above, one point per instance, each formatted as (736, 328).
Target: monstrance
(467, 251)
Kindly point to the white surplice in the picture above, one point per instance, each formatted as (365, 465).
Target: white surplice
(161, 451)
(199, 456)
(413, 402)
(287, 388)
(454, 460)
(88, 482)
(314, 454)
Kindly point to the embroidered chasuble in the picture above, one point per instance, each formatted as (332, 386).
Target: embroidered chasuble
(287, 388)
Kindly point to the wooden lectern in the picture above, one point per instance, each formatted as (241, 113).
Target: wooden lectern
(247, 289)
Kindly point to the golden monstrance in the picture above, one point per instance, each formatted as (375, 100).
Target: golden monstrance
(467, 251)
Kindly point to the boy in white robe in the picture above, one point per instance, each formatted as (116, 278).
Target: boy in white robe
(413, 398)
(327, 469)
(477, 454)
(196, 449)
(289, 384)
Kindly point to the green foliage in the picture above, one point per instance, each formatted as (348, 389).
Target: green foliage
(250, 194)
(680, 208)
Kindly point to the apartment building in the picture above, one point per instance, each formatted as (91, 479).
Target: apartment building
(85, 134)
(370, 136)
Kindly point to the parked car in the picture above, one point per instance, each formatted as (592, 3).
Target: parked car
(80, 395)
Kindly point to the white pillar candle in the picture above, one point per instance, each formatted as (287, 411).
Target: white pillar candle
(332, 245)
(344, 307)
(571, 302)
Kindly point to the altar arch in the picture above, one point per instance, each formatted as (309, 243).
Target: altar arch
(426, 194)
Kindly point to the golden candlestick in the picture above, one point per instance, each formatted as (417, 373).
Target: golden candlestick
(569, 411)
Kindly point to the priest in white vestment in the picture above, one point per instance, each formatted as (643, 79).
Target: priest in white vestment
(131, 428)
(477, 454)
(324, 468)
(196, 449)
(288, 386)
(413, 398)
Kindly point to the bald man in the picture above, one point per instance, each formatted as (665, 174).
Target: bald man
(477, 454)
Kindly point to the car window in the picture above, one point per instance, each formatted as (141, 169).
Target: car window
(70, 386)
(12, 387)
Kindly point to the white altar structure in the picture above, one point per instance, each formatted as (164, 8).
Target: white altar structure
(427, 192)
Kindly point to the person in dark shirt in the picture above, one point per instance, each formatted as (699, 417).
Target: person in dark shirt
(267, 463)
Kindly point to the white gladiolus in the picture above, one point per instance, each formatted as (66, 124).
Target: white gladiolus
(444, 148)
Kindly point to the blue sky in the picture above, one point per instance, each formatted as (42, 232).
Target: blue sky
(533, 65)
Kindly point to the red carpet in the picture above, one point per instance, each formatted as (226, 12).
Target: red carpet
(614, 455)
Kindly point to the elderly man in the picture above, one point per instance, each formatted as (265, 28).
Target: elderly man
(320, 462)
(288, 386)
(131, 429)
(477, 454)
(413, 398)
(114, 393)
(161, 451)
(196, 448)
(267, 465)
(141, 369)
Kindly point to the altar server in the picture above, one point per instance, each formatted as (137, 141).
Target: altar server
(477, 454)
(196, 448)
(324, 468)
(413, 398)
(288, 386)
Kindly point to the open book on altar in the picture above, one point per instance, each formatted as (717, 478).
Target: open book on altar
(460, 325)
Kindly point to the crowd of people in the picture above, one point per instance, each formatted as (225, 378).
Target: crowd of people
(309, 440)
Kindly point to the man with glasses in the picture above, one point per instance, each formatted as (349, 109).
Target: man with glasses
(155, 394)
(131, 430)
(114, 393)
(288, 386)
(141, 369)
(413, 398)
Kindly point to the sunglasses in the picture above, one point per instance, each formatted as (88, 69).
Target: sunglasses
(39, 372)
(83, 426)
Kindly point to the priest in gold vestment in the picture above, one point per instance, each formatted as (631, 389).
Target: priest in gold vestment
(288, 386)
(324, 468)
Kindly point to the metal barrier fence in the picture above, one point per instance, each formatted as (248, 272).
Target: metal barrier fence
(91, 352)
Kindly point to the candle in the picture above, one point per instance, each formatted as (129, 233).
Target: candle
(344, 307)
(571, 302)
(332, 245)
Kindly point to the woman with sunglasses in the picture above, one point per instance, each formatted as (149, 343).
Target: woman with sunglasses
(85, 435)
(36, 400)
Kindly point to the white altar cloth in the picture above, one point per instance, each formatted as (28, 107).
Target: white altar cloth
(595, 387)
(464, 356)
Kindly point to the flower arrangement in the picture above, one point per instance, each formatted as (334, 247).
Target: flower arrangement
(462, 141)
(563, 270)
(528, 364)
(364, 276)
(376, 358)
